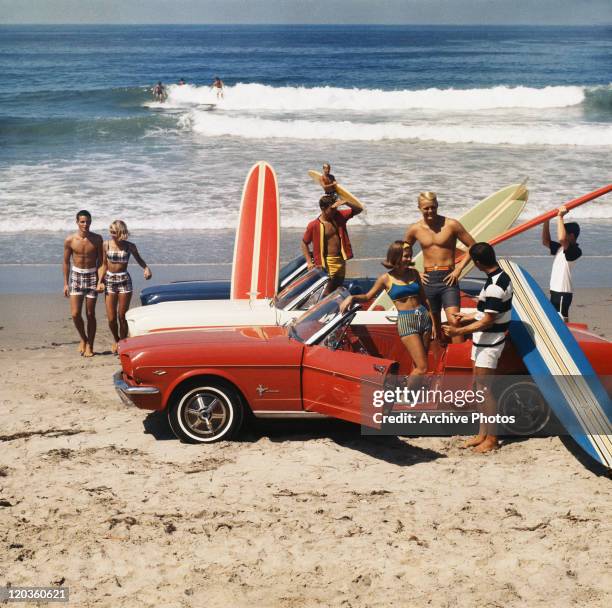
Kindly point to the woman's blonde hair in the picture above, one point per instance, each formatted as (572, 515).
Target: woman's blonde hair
(120, 227)
(428, 197)
(395, 253)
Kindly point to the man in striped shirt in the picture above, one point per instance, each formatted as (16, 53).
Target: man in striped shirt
(488, 326)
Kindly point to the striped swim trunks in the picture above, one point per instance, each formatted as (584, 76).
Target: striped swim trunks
(83, 282)
(416, 321)
(118, 282)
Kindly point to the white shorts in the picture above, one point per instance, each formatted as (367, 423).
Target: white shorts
(487, 356)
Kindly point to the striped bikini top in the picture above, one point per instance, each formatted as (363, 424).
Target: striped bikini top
(400, 291)
(117, 256)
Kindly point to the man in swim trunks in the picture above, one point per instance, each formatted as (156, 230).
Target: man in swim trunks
(331, 245)
(83, 250)
(438, 236)
(328, 181)
(218, 84)
(159, 92)
(488, 326)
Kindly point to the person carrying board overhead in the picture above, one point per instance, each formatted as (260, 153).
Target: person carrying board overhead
(328, 181)
(331, 245)
(438, 236)
(566, 252)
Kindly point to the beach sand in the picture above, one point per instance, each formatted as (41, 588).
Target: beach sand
(102, 499)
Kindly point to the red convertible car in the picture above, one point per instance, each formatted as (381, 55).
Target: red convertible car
(209, 379)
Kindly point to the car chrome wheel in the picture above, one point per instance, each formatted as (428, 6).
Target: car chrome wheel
(524, 401)
(206, 412)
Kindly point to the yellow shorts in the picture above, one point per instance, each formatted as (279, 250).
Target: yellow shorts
(336, 267)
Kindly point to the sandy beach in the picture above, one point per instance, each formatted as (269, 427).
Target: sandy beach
(104, 500)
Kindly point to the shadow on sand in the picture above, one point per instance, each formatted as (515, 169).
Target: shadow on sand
(387, 448)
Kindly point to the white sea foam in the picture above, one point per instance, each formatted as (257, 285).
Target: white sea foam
(294, 99)
(253, 127)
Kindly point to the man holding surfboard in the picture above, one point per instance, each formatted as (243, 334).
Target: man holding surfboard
(566, 252)
(438, 237)
(331, 245)
(328, 181)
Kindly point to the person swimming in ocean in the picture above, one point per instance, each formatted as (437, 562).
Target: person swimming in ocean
(414, 317)
(159, 92)
(181, 82)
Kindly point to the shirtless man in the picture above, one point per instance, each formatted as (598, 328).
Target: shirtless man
(438, 236)
(218, 85)
(328, 181)
(331, 245)
(81, 282)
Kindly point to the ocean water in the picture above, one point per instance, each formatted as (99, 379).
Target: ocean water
(462, 111)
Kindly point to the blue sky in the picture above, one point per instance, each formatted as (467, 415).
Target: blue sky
(541, 12)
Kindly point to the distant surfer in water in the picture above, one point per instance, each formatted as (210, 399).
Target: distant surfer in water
(488, 326)
(331, 245)
(219, 86)
(328, 181)
(566, 252)
(438, 236)
(82, 271)
(159, 92)
(181, 82)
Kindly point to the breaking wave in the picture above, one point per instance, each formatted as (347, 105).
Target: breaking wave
(214, 125)
(264, 97)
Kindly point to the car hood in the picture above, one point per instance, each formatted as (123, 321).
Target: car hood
(170, 316)
(242, 346)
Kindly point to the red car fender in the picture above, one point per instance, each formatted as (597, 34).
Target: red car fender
(202, 371)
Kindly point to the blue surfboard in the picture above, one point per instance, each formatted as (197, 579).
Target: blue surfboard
(559, 367)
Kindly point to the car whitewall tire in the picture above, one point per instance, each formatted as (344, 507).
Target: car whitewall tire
(205, 411)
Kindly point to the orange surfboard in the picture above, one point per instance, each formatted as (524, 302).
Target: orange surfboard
(256, 250)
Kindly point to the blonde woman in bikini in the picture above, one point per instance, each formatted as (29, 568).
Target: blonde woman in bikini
(118, 282)
(403, 284)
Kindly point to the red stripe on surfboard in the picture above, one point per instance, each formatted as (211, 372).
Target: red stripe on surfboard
(548, 215)
(268, 258)
(245, 238)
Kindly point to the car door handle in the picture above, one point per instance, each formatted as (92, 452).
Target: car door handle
(379, 368)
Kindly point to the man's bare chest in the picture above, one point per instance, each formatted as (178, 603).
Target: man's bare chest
(444, 237)
(83, 247)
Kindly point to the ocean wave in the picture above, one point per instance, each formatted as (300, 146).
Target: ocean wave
(174, 220)
(263, 97)
(214, 125)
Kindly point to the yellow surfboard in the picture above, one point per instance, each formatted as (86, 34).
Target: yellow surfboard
(489, 218)
(343, 193)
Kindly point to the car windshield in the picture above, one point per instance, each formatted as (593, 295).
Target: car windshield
(299, 287)
(313, 321)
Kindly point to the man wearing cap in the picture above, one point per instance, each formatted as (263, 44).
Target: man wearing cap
(331, 246)
(438, 236)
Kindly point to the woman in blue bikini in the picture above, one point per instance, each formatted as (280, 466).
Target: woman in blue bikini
(403, 284)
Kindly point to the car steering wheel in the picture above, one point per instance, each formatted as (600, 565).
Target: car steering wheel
(337, 338)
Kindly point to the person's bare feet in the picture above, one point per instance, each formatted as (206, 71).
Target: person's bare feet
(88, 351)
(82, 345)
(474, 441)
(488, 445)
(114, 348)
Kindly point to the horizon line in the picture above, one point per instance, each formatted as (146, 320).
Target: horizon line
(192, 24)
